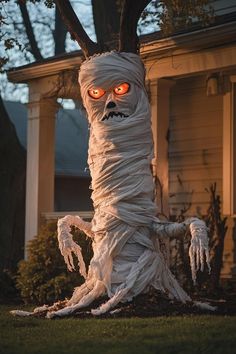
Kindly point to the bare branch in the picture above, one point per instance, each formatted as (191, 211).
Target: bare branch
(29, 31)
(59, 34)
(76, 29)
(130, 15)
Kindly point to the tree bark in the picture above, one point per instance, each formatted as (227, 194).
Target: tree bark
(106, 17)
(128, 26)
(75, 28)
(12, 186)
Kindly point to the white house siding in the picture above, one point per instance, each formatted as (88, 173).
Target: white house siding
(195, 145)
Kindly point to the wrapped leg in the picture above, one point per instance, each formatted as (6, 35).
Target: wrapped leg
(40, 311)
(80, 292)
(86, 300)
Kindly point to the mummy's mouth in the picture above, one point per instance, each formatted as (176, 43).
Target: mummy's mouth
(117, 115)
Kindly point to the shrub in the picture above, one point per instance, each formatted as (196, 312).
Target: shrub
(43, 277)
(208, 284)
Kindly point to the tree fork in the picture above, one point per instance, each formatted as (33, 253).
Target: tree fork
(76, 29)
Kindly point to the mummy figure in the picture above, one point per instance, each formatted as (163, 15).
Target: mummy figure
(125, 231)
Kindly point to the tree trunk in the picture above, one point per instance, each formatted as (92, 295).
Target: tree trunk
(130, 15)
(106, 17)
(12, 185)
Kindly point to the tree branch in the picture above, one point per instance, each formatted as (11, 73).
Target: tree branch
(130, 15)
(59, 33)
(29, 31)
(75, 28)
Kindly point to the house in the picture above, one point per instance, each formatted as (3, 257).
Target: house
(191, 81)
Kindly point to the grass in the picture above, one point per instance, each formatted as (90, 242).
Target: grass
(188, 334)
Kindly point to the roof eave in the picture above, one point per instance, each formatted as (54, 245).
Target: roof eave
(186, 42)
(192, 41)
(45, 68)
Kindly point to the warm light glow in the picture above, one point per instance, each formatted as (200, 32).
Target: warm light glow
(122, 89)
(96, 93)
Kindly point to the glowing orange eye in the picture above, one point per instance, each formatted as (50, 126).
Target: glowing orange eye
(122, 89)
(96, 93)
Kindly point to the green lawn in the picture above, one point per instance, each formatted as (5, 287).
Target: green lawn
(189, 334)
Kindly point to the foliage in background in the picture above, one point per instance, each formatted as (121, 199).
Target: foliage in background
(180, 265)
(43, 277)
(175, 15)
(179, 257)
(217, 231)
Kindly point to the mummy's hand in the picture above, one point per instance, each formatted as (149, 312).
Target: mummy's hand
(199, 247)
(68, 247)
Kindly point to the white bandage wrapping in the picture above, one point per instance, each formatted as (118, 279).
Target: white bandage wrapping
(127, 259)
(125, 231)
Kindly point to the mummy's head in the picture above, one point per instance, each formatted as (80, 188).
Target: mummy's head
(110, 86)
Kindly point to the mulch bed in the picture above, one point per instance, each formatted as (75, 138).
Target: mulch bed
(155, 303)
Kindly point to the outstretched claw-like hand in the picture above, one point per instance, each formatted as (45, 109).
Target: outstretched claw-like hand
(199, 248)
(68, 247)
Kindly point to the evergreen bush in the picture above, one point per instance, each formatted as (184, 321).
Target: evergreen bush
(43, 277)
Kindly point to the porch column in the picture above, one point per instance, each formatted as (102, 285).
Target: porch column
(160, 92)
(40, 161)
